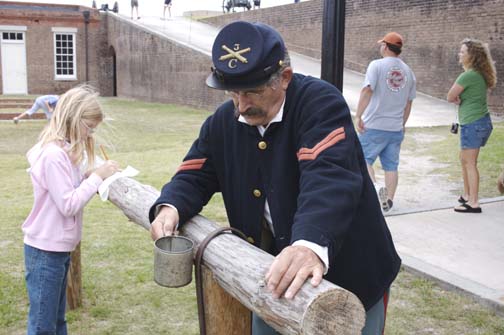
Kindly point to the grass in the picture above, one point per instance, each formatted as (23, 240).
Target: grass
(119, 294)
(444, 147)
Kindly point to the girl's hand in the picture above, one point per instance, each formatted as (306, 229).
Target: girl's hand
(107, 169)
(89, 172)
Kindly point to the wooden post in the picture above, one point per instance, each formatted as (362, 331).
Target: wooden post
(74, 281)
(223, 313)
(239, 268)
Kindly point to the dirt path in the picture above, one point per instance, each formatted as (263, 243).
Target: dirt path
(420, 188)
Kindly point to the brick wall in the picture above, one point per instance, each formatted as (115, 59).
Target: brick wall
(299, 24)
(152, 68)
(105, 60)
(40, 43)
(432, 30)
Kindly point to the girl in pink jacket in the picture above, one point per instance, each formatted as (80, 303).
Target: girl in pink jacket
(53, 228)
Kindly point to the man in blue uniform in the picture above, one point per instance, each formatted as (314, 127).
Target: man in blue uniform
(284, 153)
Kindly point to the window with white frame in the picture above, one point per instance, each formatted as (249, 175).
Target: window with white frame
(12, 36)
(65, 66)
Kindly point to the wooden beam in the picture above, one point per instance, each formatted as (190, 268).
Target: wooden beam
(239, 268)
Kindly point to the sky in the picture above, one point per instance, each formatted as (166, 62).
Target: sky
(155, 7)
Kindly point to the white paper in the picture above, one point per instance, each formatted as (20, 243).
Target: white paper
(103, 190)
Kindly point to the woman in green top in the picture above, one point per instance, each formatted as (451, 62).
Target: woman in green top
(470, 92)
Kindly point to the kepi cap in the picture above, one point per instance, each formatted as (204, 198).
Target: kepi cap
(392, 38)
(245, 55)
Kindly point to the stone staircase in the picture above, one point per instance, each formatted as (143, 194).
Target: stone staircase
(13, 106)
(10, 103)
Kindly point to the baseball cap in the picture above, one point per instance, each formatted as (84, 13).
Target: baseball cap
(245, 55)
(392, 38)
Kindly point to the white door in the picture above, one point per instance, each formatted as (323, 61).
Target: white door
(14, 63)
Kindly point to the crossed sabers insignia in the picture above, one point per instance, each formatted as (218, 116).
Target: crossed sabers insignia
(234, 55)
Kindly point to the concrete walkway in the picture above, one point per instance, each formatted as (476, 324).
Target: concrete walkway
(461, 251)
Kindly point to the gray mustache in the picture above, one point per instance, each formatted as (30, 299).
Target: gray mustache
(252, 111)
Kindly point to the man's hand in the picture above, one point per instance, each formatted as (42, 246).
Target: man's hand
(290, 270)
(165, 223)
(360, 125)
(364, 99)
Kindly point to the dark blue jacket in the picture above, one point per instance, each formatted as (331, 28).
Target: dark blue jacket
(313, 173)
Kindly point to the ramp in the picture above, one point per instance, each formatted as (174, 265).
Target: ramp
(427, 111)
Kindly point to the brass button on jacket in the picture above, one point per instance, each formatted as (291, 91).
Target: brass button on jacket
(262, 145)
(257, 193)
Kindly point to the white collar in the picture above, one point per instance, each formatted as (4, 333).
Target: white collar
(277, 118)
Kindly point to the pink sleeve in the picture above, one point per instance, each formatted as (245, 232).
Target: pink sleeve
(58, 175)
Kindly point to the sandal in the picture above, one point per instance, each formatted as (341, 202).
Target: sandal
(461, 200)
(465, 208)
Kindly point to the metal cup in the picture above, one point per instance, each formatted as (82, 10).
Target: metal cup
(173, 260)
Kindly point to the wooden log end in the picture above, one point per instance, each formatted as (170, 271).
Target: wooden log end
(335, 311)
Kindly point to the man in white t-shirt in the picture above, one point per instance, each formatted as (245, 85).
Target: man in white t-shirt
(384, 107)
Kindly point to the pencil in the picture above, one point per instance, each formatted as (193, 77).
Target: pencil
(104, 154)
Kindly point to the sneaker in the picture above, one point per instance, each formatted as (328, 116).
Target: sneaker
(383, 196)
(388, 206)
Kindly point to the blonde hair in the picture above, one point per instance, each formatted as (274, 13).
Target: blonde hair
(75, 106)
(480, 60)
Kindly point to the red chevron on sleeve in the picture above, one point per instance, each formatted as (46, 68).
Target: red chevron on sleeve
(334, 137)
(192, 164)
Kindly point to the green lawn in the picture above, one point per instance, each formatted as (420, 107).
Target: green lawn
(119, 295)
(445, 148)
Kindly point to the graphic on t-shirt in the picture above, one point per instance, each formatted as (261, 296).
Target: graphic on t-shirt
(396, 79)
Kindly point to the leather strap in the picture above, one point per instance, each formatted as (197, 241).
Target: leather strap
(198, 274)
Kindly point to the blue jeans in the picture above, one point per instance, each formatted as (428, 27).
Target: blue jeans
(375, 320)
(39, 104)
(46, 279)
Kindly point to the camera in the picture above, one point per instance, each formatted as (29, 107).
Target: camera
(454, 128)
